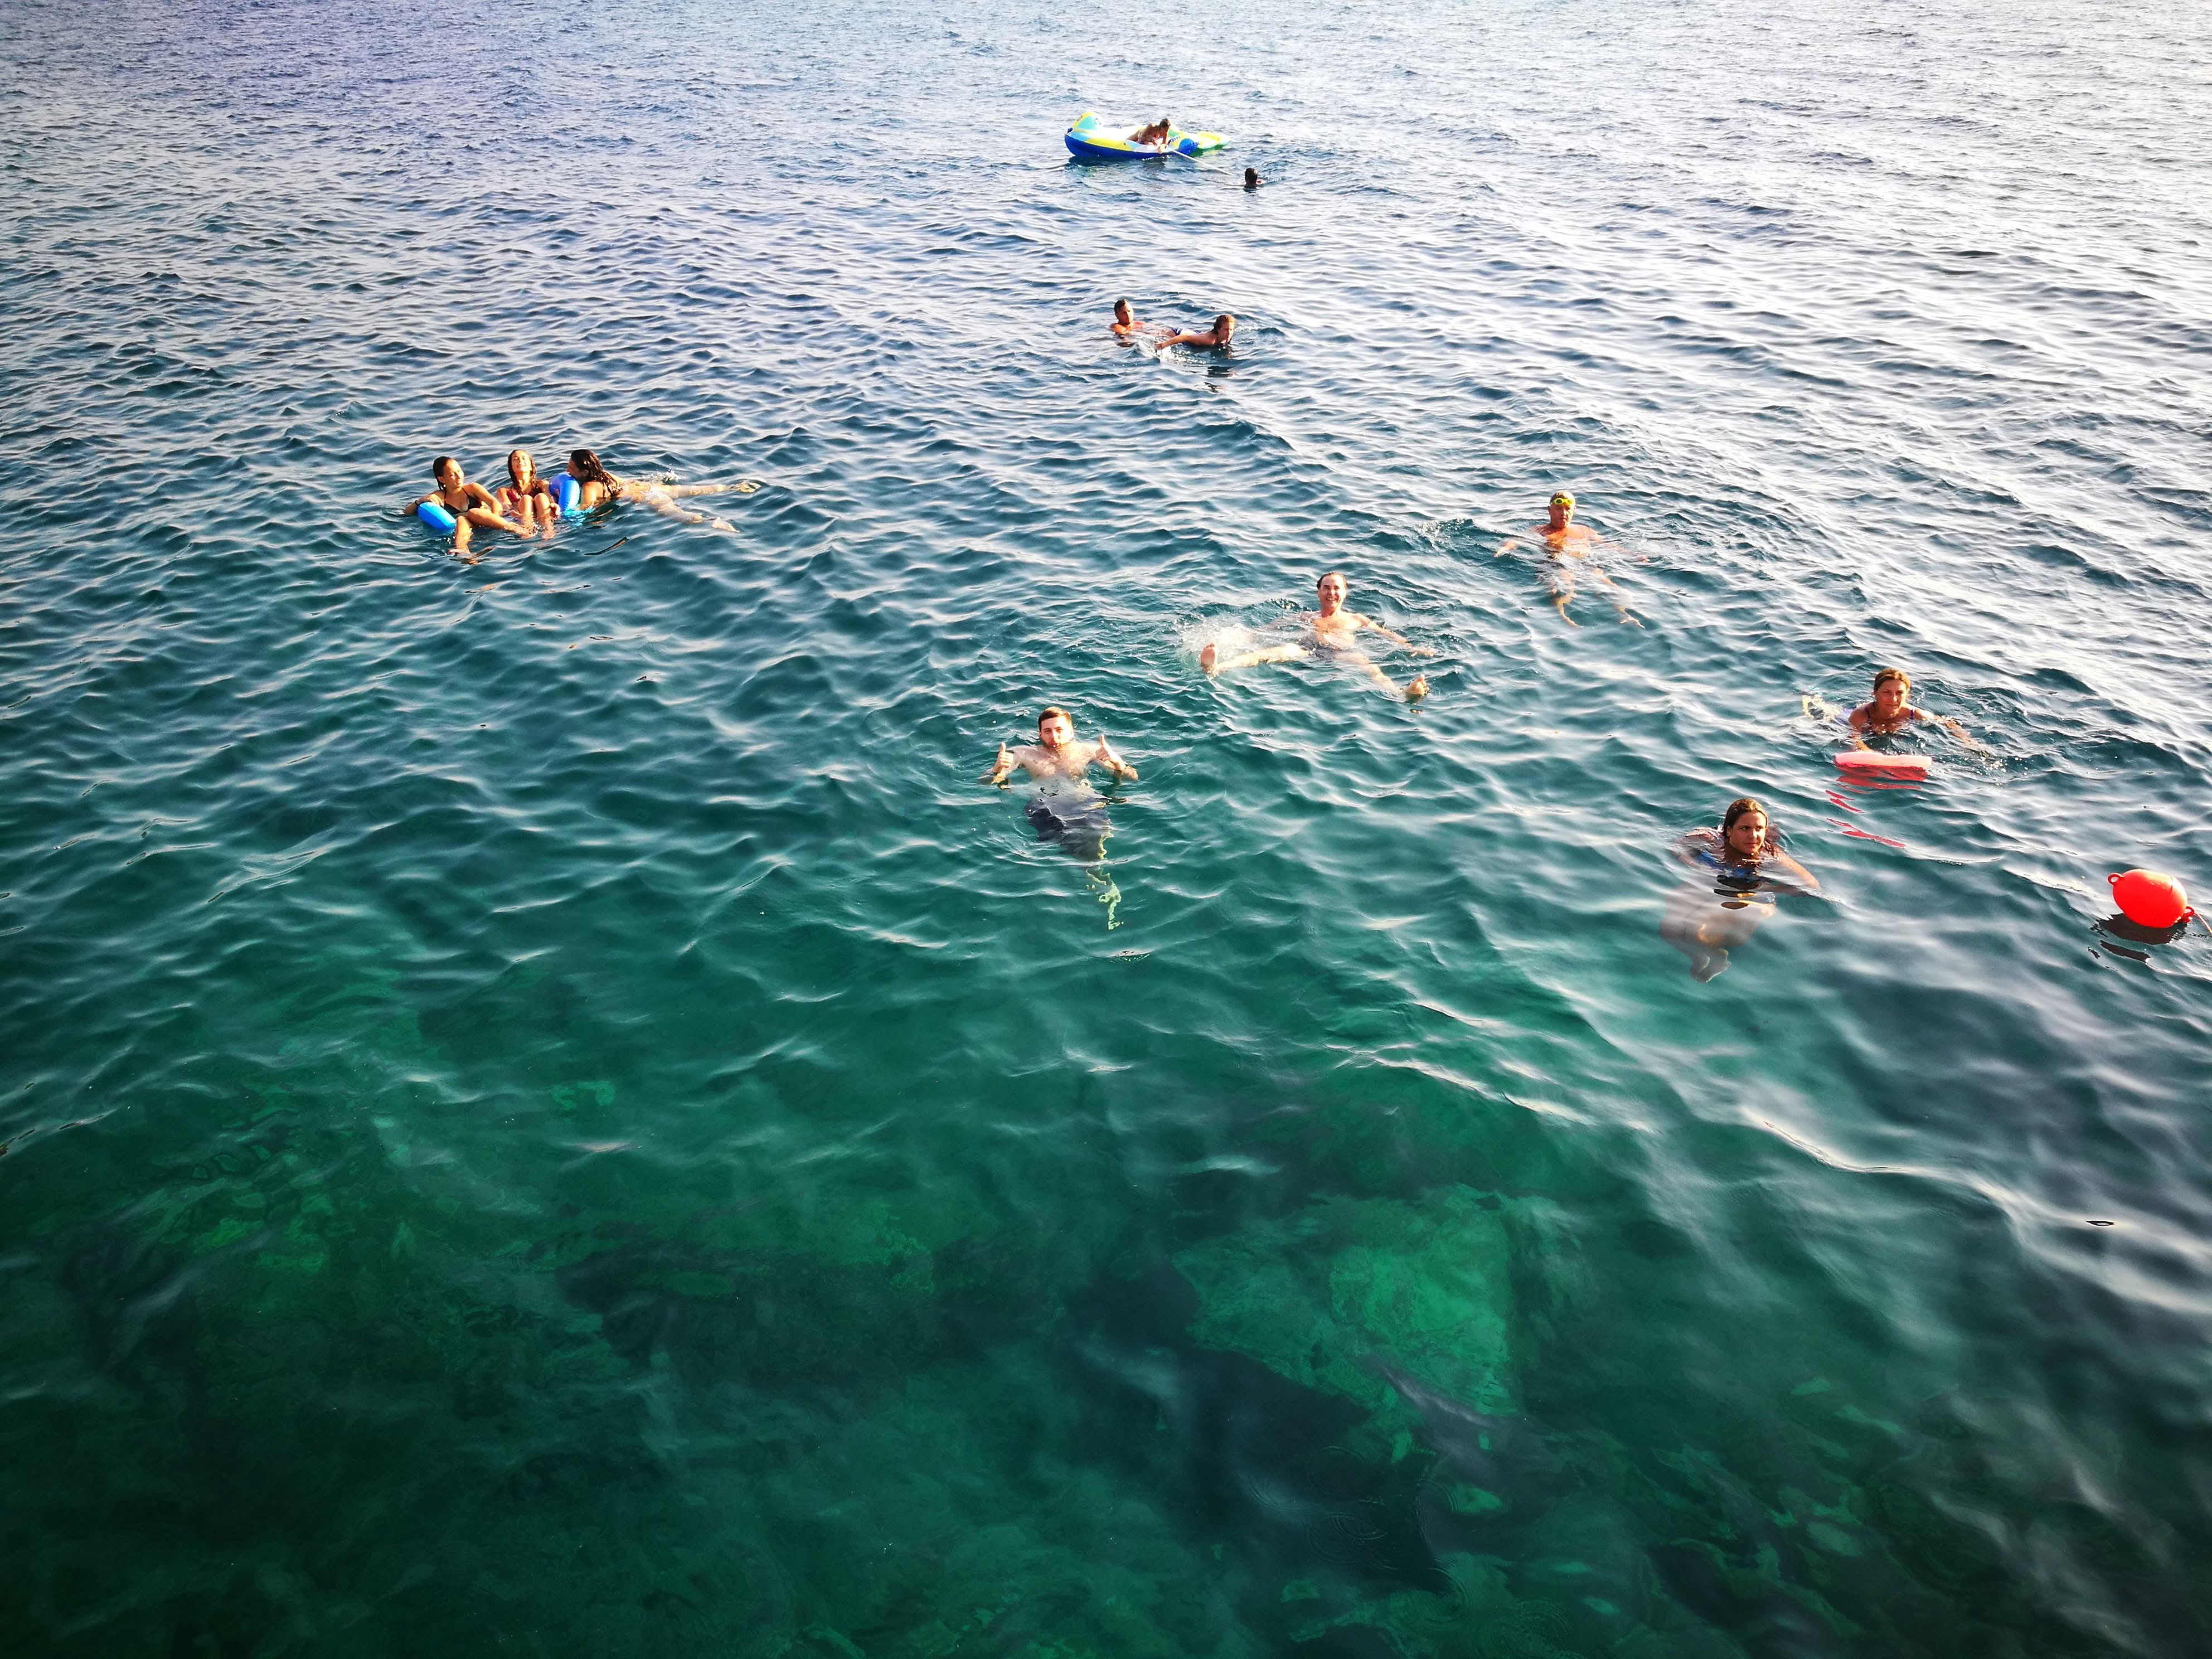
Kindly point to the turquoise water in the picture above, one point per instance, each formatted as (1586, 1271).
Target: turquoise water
(546, 1113)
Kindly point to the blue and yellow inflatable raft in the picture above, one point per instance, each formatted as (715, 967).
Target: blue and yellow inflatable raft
(1091, 140)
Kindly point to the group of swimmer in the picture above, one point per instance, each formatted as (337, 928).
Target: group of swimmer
(529, 504)
(1742, 859)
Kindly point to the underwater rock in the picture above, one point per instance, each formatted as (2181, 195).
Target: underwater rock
(1331, 1295)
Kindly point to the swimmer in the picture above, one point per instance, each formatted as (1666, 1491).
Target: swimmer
(1890, 711)
(599, 486)
(1065, 810)
(1213, 339)
(1056, 757)
(469, 504)
(1705, 924)
(1252, 179)
(1329, 637)
(1565, 539)
(526, 498)
(1126, 324)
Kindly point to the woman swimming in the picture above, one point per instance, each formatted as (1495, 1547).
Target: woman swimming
(526, 498)
(1704, 923)
(469, 504)
(1890, 710)
(599, 487)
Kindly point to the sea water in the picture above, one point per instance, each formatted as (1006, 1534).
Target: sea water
(547, 1112)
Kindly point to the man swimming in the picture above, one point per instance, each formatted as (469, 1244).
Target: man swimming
(1126, 324)
(1065, 810)
(1212, 340)
(469, 504)
(1330, 637)
(1056, 757)
(1565, 539)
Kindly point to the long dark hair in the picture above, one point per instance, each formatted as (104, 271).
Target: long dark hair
(585, 463)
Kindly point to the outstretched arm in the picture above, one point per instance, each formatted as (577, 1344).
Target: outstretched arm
(1396, 638)
(1795, 872)
(1113, 762)
(1000, 767)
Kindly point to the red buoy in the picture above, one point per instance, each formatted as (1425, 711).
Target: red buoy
(2151, 900)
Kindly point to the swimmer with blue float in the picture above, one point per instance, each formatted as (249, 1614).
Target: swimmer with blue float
(1746, 861)
(1331, 636)
(456, 505)
(1565, 539)
(525, 497)
(596, 487)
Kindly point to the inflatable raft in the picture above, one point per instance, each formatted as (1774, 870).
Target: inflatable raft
(1091, 140)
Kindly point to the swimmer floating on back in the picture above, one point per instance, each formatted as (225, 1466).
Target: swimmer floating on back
(471, 504)
(1066, 810)
(599, 486)
(1329, 638)
(1704, 923)
(1212, 340)
(1566, 540)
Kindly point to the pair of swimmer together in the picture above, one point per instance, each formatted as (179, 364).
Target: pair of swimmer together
(1128, 326)
(1746, 860)
(530, 505)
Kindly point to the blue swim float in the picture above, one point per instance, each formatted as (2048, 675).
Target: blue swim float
(566, 492)
(437, 518)
(1091, 140)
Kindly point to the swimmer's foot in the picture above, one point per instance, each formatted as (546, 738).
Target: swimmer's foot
(1714, 964)
(1210, 658)
(1632, 618)
(1418, 689)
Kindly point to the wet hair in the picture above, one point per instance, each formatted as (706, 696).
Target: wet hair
(1882, 676)
(1737, 809)
(1224, 318)
(1251, 177)
(1325, 575)
(511, 471)
(438, 467)
(1050, 711)
(1121, 306)
(585, 463)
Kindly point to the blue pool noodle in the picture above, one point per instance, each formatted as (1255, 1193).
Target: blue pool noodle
(437, 518)
(566, 489)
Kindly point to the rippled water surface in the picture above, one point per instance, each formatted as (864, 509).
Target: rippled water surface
(546, 1112)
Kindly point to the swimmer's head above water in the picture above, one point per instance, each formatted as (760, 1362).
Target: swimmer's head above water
(1055, 728)
(521, 468)
(1331, 590)
(1892, 687)
(1562, 510)
(1745, 834)
(447, 471)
